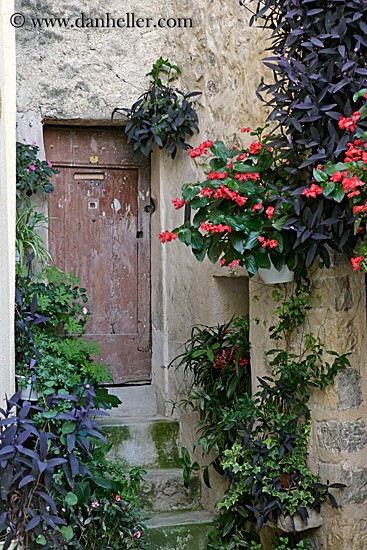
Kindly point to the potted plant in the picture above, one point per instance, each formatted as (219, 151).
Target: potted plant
(270, 465)
(161, 115)
(239, 218)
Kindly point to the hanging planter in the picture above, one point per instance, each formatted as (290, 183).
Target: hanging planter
(29, 393)
(272, 276)
(314, 520)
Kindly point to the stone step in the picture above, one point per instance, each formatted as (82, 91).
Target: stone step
(136, 401)
(163, 490)
(147, 442)
(184, 531)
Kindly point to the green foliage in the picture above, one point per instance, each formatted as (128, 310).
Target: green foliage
(270, 464)
(238, 207)
(188, 468)
(28, 240)
(216, 360)
(283, 543)
(161, 115)
(105, 513)
(33, 175)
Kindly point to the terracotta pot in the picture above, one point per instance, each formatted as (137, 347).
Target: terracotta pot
(272, 276)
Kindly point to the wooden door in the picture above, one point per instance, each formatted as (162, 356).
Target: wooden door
(100, 230)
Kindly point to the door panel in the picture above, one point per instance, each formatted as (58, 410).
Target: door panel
(100, 231)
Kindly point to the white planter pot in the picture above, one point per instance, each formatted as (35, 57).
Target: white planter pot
(29, 393)
(272, 276)
(314, 520)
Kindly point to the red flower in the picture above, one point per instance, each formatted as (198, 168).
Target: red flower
(178, 203)
(356, 262)
(313, 191)
(257, 206)
(270, 212)
(138, 535)
(358, 209)
(118, 498)
(242, 157)
(206, 192)
(255, 148)
(167, 236)
(246, 129)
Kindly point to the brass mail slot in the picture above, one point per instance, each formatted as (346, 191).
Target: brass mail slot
(92, 176)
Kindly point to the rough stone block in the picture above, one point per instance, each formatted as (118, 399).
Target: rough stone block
(179, 531)
(342, 436)
(343, 294)
(349, 389)
(164, 491)
(355, 492)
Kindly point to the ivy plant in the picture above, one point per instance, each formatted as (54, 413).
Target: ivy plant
(162, 115)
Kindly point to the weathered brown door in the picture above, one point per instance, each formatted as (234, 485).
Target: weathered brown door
(100, 230)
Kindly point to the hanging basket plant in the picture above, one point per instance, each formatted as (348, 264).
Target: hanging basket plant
(162, 114)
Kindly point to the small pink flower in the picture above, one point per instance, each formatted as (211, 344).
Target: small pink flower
(32, 167)
(85, 310)
(118, 498)
(49, 163)
(138, 535)
(95, 504)
(34, 143)
(27, 170)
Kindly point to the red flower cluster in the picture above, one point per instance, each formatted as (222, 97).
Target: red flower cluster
(244, 177)
(270, 212)
(220, 228)
(338, 176)
(350, 186)
(198, 151)
(356, 262)
(246, 129)
(206, 192)
(312, 191)
(272, 243)
(242, 157)
(257, 206)
(255, 148)
(226, 193)
(217, 175)
(349, 123)
(358, 209)
(178, 203)
(167, 236)
(222, 360)
(355, 152)
(233, 264)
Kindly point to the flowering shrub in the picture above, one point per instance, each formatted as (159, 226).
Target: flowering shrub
(239, 217)
(32, 174)
(345, 183)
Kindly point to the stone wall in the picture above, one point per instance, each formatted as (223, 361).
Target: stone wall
(338, 445)
(7, 193)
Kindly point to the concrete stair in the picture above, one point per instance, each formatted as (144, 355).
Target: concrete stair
(171, 513)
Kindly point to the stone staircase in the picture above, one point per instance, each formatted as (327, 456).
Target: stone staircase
(172, 514)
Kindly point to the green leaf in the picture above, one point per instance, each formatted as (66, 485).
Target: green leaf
(71, 499)
(67, 532)
(252, 240)
(185, 236)
(279, 239)
(197, 240)
(319, 175)
(262, 258)
(215, 250)
(206, 476)
(238, 241)
(68, 427)
(186, 456)
(187, 476)
(338, 194)
(198, 352)
(219, 150)
(250, 264)
(41, 540)
(196, 466)
(360, 93)
(328, 188)
(279, 222)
